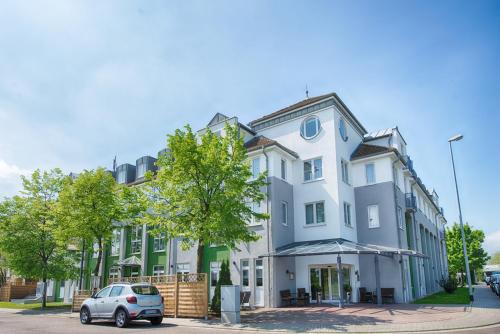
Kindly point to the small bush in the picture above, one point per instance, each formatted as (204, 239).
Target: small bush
(448, 284)
(224, 279)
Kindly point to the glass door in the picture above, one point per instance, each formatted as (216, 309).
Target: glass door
(326, 281)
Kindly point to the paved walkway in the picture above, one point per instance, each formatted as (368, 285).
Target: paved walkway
(366, 318)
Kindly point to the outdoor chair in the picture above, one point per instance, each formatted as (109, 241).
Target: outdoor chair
(365, 296)
(286, 298)
(302, 297)
(245, 299)
(387, 294)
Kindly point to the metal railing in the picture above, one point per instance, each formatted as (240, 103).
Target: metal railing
(411, 201)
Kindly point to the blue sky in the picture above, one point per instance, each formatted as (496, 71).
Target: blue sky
(81, 81)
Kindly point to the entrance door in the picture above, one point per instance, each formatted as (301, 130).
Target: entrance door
(214, 277)
(259, 283)
(325, 280)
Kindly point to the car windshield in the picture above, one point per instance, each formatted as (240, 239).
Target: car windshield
(145, 290)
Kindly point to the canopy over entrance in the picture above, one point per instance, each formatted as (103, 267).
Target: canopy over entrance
(132, 261)
(337, 246)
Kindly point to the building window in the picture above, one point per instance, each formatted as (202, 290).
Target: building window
(284, 213)
(136, 239)
(343, 130)
(122, 176)
(347, 214)
(283, 169)
(255, 207)
(182, 268)
(313, 169)
(245, 273)
(159, 242)
(373, 220)
(315, 213)
(158, 270)
(113, 273)
(310, 127)
(401, 222)
(142, 168)
(214, 273)
(370, 173)
(255, 167)
(345, 171)
(259, 273)
(115, 242)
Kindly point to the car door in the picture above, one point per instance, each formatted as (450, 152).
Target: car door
(111, 302)
(99, 302)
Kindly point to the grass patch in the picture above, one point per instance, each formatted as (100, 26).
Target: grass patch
(459, 296)
(36, 306)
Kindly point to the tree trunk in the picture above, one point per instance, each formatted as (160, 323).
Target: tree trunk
(98, 261)
(44, 292)
(199, 258)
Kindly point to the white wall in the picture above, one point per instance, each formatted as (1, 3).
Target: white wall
(383, 170)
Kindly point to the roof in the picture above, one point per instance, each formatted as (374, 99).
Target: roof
(293, 107)
(132, 261)
(378, 134)
(262, 141)
(366, 150)
(337, 246)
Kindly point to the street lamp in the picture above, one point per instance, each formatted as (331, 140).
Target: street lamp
(467, 271)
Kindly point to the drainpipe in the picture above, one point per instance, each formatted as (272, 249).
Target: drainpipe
(269, 233)
(416, 238)
(398, 230)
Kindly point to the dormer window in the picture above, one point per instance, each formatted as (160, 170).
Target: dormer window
(310, 127)
(122, 176)
(142, 168)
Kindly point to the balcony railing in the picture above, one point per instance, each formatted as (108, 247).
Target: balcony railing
(411, 201)
(409, 164)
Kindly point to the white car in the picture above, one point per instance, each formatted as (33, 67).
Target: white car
(123, 302)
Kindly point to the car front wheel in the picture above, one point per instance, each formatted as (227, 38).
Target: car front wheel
(156, 321)
(85, 316)
(121, 318)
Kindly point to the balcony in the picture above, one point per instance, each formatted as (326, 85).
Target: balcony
(411, 201)
(409, 165)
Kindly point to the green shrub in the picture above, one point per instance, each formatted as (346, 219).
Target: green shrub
(224, 279)
(448, 284)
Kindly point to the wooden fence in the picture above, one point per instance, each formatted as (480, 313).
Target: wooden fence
(78, 298)
(185, 295)
(17, 290)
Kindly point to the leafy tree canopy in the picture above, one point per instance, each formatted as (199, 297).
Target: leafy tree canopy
(495, 259)
(203, 190)
(27, 230)
(474, 240)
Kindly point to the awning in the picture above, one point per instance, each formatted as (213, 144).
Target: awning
(337, 246)
(132, 261)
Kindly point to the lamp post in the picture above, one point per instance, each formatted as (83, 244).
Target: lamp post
(464, 245)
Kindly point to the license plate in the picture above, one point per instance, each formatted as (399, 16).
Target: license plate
(151, 311)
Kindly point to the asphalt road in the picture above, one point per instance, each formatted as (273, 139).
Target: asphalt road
(27, 323)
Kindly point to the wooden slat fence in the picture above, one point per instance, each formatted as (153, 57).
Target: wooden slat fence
(185, 295)
(78, 298)
(17, 290)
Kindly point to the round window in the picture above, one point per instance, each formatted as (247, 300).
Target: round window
(343, 129)
(310, 127)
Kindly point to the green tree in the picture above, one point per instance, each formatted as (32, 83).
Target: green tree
(495, 259)
(474, 240)
(224, 279)
(27, 231)
(89, 206)
(202, 191)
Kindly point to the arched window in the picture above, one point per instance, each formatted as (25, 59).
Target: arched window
(310, 127)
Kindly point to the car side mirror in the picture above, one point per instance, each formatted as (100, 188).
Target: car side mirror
(94, 295)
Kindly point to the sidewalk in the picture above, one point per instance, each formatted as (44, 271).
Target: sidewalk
(365, 318)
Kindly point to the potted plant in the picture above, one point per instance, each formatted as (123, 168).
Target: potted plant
(348, 291)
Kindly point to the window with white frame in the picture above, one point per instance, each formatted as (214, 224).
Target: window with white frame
(315, 213)
(401, 222)
(255, 207)
(113, 272)
(159, 242)
(373, 220)
(345, 170)
(214, 273)
(283, 169)
(135, 271)
(310, 127)
(255, 167)
(115, 242)
(245, 273)
(347, 214)
(158, 270)
(284, 213)
(136, 239)
(182, 268)
(313, 169)
(370, 173)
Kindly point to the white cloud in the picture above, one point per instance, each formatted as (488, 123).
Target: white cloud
(10, 178)
(492, 242)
